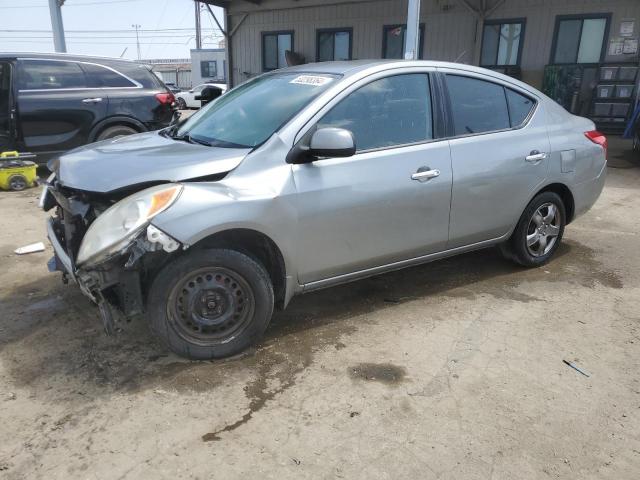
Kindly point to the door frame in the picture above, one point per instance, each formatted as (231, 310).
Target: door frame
(12, 130)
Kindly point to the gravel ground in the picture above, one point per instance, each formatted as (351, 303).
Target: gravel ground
(452, 370)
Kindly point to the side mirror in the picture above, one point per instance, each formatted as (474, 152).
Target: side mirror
(325, 142)
(208, 94)
(332, 142)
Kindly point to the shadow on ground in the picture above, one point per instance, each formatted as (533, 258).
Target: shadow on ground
(51, 335)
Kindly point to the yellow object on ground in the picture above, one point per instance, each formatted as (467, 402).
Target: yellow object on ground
(15, 172)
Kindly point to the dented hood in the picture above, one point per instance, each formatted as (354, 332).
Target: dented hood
(138, 159)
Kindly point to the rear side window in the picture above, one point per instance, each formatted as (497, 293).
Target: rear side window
(477, 105)
(519, 107)
(140, 73)
(387, 112)
(50, 75)
(100, 76)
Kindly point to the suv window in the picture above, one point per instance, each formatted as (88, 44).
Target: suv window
(387, 112)
(100, 76)
(477, 105)
(48, 75)
(519, 107)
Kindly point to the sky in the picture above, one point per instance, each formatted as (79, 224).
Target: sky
(94, 27)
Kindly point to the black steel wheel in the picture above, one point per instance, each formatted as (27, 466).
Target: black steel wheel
(210, 303)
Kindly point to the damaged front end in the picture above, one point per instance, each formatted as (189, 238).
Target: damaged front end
(107, 245)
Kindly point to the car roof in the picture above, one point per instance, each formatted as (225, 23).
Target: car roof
(67, 56)
(355, 67)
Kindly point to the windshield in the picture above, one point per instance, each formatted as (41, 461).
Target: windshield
(249, 114)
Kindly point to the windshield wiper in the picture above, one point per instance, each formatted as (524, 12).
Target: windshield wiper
(189, 139)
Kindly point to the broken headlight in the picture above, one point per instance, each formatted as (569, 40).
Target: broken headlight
(118, 225)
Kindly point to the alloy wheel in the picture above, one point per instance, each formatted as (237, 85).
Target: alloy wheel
(543, 229)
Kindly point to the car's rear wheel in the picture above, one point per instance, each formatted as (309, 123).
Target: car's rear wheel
(182, 105)
(539, 231)
(211, 303)
(115, 131)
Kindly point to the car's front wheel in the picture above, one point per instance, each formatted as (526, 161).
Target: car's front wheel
(182, 105)
(539, 231)
(211, 303)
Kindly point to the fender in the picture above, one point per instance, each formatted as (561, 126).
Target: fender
(116, 120)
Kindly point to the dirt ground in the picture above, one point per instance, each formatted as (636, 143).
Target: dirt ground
(452, 370)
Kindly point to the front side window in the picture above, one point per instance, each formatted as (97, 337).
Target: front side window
(100, 76)
(249, 114)
(394, 38)
(209, 69)
(274, 46)
(501, 43)
(388, 112)
(579, 39)
(50, 75)
(334, 44)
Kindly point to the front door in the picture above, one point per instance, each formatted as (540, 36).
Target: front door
(498, 155)
(57, 108)
(367, 210)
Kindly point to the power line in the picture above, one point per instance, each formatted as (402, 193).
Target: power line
(84, 4)
(109, 31)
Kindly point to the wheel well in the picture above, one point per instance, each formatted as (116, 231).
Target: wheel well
(565, 194)
(119, 123)
(259, 247)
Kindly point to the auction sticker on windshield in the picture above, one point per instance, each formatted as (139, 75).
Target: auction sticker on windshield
(314, 80)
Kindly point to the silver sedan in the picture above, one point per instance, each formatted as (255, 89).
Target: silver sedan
(310, 177)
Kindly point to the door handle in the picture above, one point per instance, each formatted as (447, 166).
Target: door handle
(422, 174)
(535, 156)
(92, 100)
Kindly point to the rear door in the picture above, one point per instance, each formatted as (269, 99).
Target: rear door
(499, 156)
(57, 108)
(387, 203)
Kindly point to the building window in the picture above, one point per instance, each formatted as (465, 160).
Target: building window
(579, 38)
(274, 46)
(502, 42)
(333, 44)
(393, 37)
(209, 69)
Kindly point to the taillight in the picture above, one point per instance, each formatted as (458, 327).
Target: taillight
(165, 98)
(599, 138)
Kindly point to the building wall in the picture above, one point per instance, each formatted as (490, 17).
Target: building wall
(450, 28)
(207, 54)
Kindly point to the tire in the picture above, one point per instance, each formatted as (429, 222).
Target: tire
(539, 231)
(182, 105)
(210, 303)
(115, 131)
(17, 183)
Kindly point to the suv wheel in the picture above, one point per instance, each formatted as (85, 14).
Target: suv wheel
(539, 231)
(182, 105)
(210, 303)
(115, 131)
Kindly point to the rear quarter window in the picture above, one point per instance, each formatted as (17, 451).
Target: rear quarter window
(520, 107)
(141, 74)
(100, 76)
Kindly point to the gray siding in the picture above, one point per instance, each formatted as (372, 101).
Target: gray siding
(450, 28)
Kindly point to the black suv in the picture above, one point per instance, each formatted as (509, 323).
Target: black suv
(51, 103)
